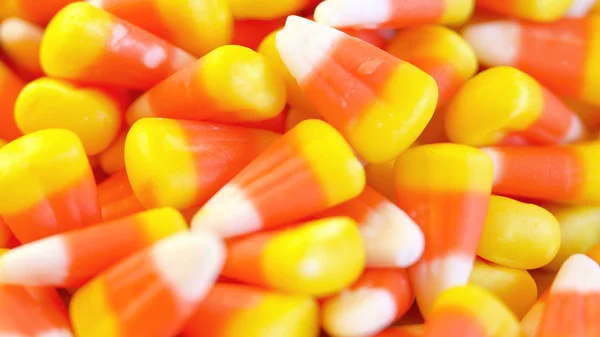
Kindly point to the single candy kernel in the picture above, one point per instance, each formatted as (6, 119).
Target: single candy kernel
(54, 185)
(117, 198)
(233, 310)
(440, 52)
(147, 294)
(70, 259)
(21, 41)
(184, 163)
(10, 86)
(115, 53)
(445, 188)
(519, 235)
(197, 26)
(378, 102)
(564, 55)
(304, 259)
(229, 84)
(311, 165)
(515, 287)
(502, 105)
(392, 13)
(92, 114)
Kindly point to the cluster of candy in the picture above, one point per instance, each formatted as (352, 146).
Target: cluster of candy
(296, 168)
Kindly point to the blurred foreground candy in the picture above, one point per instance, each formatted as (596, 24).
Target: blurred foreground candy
(151, 293)
(117, 198)
(378, 102)
(46, 185)
(538, 10)
(308, 170)
(445, 188)
(318, 258)
(20, 41)
(115, 52)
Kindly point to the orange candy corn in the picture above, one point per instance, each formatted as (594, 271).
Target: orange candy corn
(304, 259)
(381, 178)
(117, 198)
(440, 52)
(250, 33)
(573, 304)
(374, 302)
(20, 41)
(229, 84)
(392, 239)
(184, 163)
(7, 239)
(379, 103)
(446, 189)
(536, 10)
(115, 53)
(10, 86)
(566, 174)
(35, 11)
(392, 13)
(233, 310)
(308, 170)
(197, 26)
(151, 293)
(564, 55)
(70, 259)
(36, 198)
(112, 159)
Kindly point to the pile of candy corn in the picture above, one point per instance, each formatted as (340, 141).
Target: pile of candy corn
(300, 168)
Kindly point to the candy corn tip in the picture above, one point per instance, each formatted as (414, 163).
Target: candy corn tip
(580, 8)
(13, 29)
(347, 13)
(96, 3)
(495, 43)
(578, 273)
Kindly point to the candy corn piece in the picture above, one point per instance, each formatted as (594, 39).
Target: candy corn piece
(115, 52)
(381, 178)
(403, 331)
(379, 103)
(151, 293)
(35, 11)
(112, 159)
(440, 52)
(471, 311)
(229, 84)
(305, 259)
(117, 198)
(233, 310)
(308, 170)
(566, 174)
(46, 185)
(373, 303)
(70, 259)
(94, 115)
(10, 86)
(594, 253)
(392, 13)
(20, 41)
(564, 56)
(535, 10)
(7, 238)
(531, 321)
(502, 103)
(184, 163)
(450, 206)
(515, 287)
(392, 239)
(32, 311)
(573, 304)
(197, 26)
(249, 9)
(250, 33)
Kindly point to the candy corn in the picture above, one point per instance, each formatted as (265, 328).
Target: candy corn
(450, 207)
(440, 52)
(250, 9)
(379, 103)
(566, 174)
(503, 103)
(115, 52)
(112, 159)
(230, 84)
(197, 26)
(20, 41)
(250, 33)
(392, 13)
(38, 12)
(531, 322)
(232, 310)
(381, 178)
(373, 303)
(573, 303)
(594, 253)
(117, 198)
(564, 55)
(7, 239)
(310, 169)
(184, 163)
(46, 185)
(151, 293)
(545, 10)
(305, 259)
(392, 239)
(10, 86)
(471, 311)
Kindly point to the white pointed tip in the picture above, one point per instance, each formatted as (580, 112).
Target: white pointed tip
(190, 263)
(579, 273)
(361, 312)
(15, 29)
(495, 43)
(351, 13)
(580, 8)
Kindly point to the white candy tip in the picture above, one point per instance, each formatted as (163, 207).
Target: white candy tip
(495, 43)
(55, 333)
(14, 29)
(579, 273)
(576, 131)
(579, 8)
(348, 13)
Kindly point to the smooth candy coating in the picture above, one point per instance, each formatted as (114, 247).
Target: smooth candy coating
(266, 9)
(112, 159)
(10, 86)
(535, 10)
(381, 178)
(21, 41)
(37, 12)
(117, 198)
